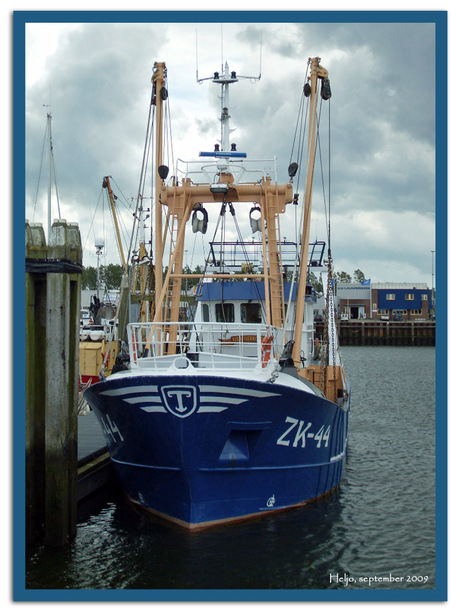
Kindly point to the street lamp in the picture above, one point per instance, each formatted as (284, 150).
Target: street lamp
(99, 247)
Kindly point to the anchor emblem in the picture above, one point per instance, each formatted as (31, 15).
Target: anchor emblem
(180, 400)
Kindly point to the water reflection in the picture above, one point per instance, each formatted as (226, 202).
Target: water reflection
(380, 521)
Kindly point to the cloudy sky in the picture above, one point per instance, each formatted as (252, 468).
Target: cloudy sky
(96, 79)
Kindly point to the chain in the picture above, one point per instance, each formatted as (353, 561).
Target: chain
(333, 331)
(325, 343)
(329, 316)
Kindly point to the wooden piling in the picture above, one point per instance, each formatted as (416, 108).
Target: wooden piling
(52, 335)
(35, 296)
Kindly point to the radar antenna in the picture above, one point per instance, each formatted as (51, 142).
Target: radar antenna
(225, 78)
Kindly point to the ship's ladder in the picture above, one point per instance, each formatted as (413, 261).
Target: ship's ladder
(275, 262)
(171, 302)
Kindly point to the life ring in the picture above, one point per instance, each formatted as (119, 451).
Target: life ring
(266, 349)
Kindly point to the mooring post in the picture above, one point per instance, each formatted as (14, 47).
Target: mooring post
(62, 333)
(53, 420)
(35, 352)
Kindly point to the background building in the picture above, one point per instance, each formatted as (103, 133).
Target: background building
(394, 301)
(354, 300)
(405, 301)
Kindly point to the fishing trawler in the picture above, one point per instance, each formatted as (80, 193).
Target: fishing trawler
(241, 410)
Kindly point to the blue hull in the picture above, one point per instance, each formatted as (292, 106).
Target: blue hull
(205, 449)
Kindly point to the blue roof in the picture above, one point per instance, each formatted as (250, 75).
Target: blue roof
(238, 290)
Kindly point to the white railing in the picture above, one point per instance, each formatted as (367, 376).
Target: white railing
(205, 170)
(203, 345)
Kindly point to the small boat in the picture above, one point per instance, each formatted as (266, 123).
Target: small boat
(99, 342)
(98, 350)
(241, 410)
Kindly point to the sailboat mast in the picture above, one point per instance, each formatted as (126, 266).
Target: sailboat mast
(317, 72)
(50, 168)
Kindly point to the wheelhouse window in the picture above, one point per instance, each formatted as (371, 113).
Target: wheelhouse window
(225, 312)
(251, 313)
(205, 312)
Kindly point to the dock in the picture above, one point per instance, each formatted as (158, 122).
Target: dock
(94, 465)
(379, 332)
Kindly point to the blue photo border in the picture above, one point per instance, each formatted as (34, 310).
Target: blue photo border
(20, 20)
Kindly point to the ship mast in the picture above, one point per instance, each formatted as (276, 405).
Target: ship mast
(159, 96)
(50, 162)
(225, 79)
(51, 171)
(182, 199)
(112, 197)
(317, 72)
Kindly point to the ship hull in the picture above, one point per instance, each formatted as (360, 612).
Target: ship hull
(201, 450)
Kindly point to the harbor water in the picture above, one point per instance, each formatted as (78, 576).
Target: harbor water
(377, 532)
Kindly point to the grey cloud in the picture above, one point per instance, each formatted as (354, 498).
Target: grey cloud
(382, 109)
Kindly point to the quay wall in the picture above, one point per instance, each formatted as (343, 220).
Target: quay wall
(375, 332)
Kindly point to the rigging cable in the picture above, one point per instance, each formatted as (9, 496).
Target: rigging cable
(142, 177)
(123, 202)
(300, 137)
(91, 226)
(54, 171)
(47, 137)
(327, 211)
(248, 261)
(329, 340)
(40, 170)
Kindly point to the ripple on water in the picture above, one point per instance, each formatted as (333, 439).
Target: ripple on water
(380, 521)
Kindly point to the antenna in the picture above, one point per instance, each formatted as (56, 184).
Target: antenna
(260, 65)
(225, 78)
(221, 48)
(196, 55)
